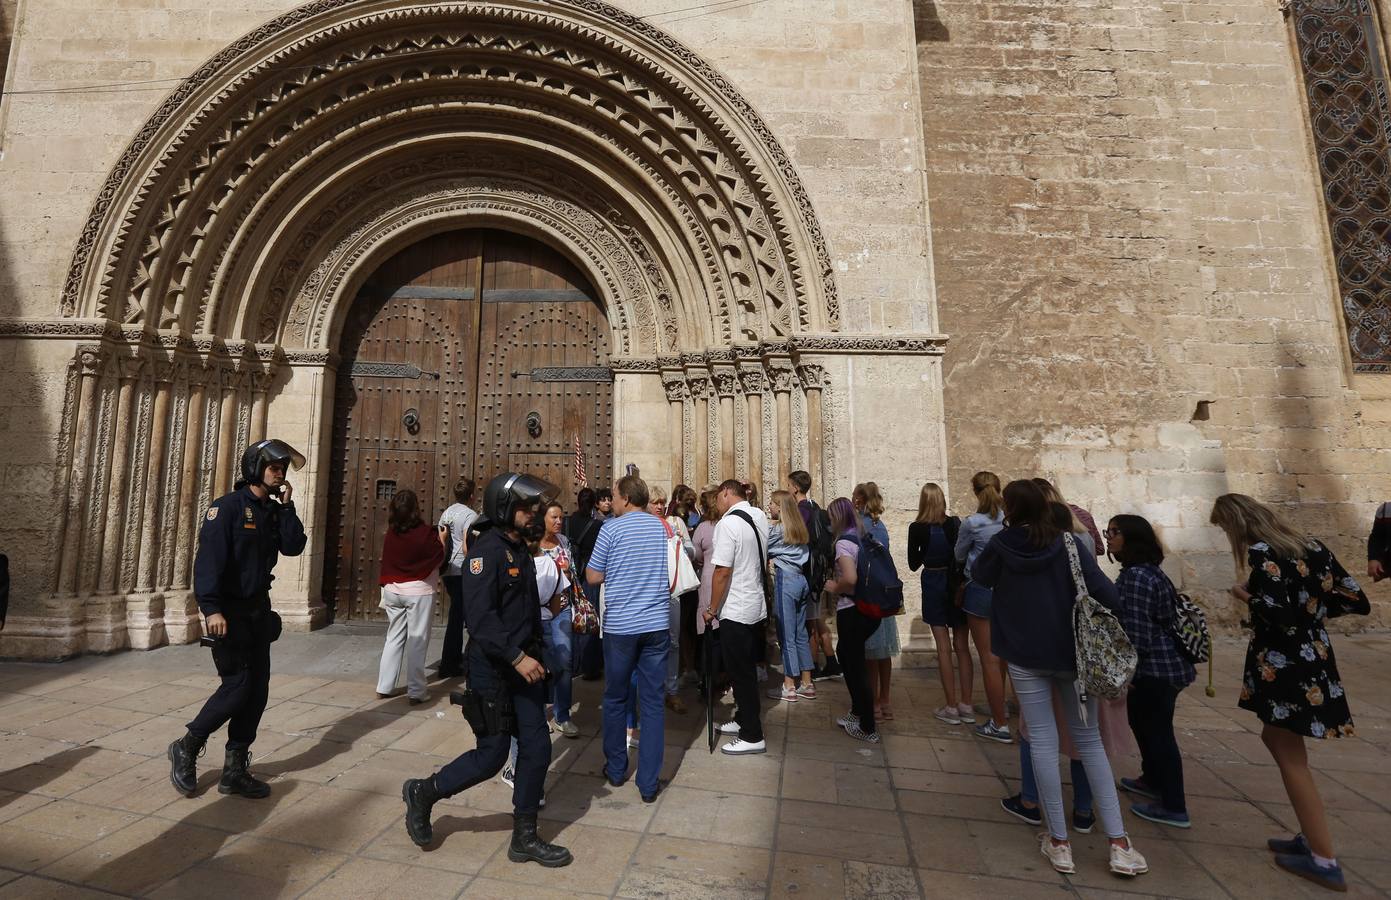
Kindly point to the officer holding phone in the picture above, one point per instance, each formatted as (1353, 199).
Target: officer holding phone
(506, 694)
(242, 537)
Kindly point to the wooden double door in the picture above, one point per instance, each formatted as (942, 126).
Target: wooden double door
(469, 354)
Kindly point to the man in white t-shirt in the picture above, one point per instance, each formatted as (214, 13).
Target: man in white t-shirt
(738, 600)
(457, 518)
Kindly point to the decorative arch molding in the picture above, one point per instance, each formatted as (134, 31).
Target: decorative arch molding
(693, 156)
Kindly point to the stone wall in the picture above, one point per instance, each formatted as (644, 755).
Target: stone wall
(1133, 266)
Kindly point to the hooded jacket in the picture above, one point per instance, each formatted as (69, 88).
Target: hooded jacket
(1031, 612)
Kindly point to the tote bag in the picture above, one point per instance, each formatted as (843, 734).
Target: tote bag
(682, 574)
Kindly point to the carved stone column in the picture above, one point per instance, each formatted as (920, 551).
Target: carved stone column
(145, 607)
(189, 498)
(676, 390)
(725, 385)
(89, 365)
(781, 376)
(754, 383)
(226, 452)
(116, 520)
(260, 403)
(813, 378)
(699, 386)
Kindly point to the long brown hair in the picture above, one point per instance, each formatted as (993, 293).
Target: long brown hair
(932, 504)
(1247, 521)
(405, 511)
(989, 500)
(709, 510)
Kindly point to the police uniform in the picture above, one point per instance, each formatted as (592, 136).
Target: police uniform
(502, 611)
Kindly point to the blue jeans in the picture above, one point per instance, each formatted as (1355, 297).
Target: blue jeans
(1028, 785)
(790, 589)
(625, 654)
(556, 640)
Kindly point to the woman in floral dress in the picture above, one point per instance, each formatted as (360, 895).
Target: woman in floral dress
(1291, 680)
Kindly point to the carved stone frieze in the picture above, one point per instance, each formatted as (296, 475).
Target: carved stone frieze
(753, 381)
(812, 377)
(726, 384)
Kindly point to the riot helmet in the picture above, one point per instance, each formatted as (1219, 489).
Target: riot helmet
(265, 453)
(510, 492)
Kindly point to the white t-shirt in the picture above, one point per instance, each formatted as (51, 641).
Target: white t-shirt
(737, 548)
(549, 582)
(457, 518)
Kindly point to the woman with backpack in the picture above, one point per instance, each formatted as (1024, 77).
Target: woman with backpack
(880, 649)
(1291, 681)
(1029, 567)
(853, 628)
(1149, 608)
(931, 541)
(976, 532)
(788, 552)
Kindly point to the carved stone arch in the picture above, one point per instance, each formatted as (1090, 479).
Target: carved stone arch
(158, 237)
(309, 314)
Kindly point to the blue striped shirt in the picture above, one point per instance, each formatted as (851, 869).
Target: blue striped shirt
(631, 551)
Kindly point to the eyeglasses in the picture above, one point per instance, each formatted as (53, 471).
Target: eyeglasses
(1113, 532)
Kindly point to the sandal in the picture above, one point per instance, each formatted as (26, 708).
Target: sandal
(886, 714)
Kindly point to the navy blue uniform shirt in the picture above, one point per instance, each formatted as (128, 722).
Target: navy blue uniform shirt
(241, 539)
(502, 605)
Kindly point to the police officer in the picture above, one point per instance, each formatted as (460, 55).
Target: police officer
(506, 693)
(243, 534)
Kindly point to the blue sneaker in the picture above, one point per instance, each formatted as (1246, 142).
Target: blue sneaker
(1295, 845)
(1330, 877)
(1153, 812)
(1136, 786)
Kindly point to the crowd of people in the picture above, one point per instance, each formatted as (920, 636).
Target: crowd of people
(655, 593)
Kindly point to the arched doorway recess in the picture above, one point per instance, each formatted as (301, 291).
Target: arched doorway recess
(466, 354)
(213, 279)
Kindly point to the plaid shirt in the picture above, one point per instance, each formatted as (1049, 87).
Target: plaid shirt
(1147, 612)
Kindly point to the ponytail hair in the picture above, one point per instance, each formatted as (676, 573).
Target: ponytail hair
(989, 500)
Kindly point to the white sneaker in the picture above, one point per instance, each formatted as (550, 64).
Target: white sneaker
(1127, 861)
(966, 714)
(508, 778)
(739, 747)
(784, 694)
(727, 728)
(1060, 855)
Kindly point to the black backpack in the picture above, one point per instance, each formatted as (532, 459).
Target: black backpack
(878, 589)
(822, 545)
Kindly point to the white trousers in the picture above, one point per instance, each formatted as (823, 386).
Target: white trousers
(408, 629)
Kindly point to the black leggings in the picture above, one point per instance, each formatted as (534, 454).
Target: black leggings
(1150, 708)
(853, 629)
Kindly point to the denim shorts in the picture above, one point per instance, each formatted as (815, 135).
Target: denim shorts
(977, 600)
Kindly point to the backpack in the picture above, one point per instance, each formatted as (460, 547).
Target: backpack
(878, 589)
(1106, 659)
(822, 545)
(1190, 629)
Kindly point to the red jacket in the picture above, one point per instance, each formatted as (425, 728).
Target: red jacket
(412, 556)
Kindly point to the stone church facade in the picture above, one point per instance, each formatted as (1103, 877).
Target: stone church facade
(889, 240)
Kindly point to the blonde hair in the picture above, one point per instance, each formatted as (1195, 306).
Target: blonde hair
(989, 500)
(869, 497)
(656, 495)
(932, 504)
(1248, 521)
(794, 530)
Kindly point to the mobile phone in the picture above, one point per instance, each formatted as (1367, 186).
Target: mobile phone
(208, 640)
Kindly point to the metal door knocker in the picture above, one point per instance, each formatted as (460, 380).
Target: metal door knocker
(411, 420)
(533, 424)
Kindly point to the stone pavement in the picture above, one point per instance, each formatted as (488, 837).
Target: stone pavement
(86, 809)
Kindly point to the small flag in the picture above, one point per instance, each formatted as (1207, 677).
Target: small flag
(581, 479)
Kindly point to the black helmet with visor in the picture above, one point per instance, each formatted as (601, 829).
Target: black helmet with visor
(266, 453)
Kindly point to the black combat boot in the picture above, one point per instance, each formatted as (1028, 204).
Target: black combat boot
(527, 846)
(420, 796)
(237, 780)
(183, 763)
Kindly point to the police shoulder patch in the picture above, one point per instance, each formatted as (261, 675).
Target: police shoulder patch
(212, 513)
(475, 565)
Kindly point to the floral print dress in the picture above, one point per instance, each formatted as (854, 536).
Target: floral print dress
(1291, 679)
